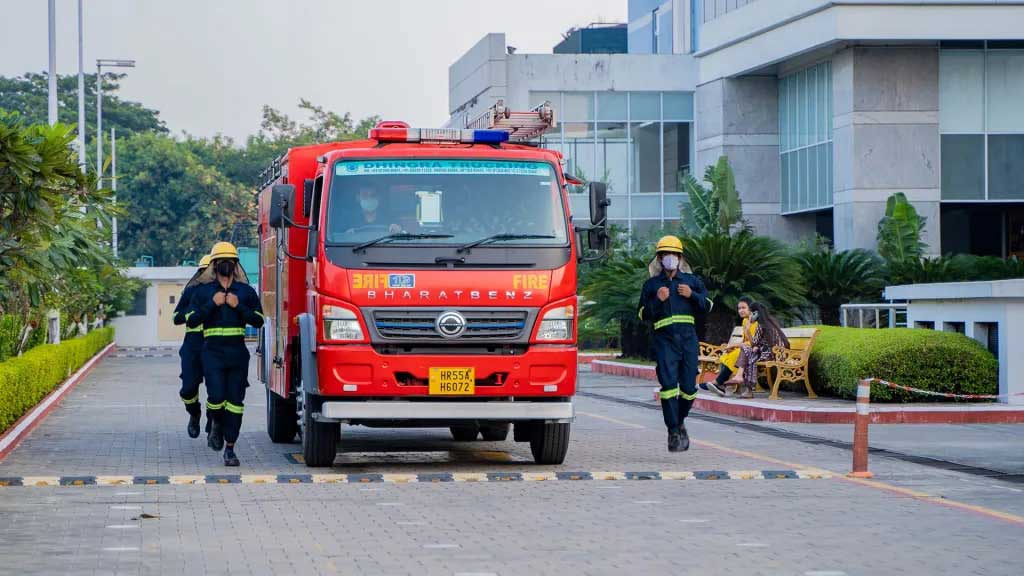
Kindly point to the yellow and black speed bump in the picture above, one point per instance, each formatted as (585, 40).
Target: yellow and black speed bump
(424, 478)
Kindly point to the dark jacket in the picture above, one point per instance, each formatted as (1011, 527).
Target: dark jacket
(223, 325)
(676, 312)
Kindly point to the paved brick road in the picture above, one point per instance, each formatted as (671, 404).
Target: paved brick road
(125, 419)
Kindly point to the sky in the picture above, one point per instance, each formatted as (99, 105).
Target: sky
(209, 66)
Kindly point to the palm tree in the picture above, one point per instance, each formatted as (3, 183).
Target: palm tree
(836, 278)
(744, 264)
(611, 294)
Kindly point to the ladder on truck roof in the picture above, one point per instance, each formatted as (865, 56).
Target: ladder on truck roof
(521, 126)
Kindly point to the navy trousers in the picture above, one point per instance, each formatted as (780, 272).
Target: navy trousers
(227, 373)
(675, 348)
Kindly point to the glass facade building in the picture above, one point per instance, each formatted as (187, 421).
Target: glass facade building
(805, 139)
(639, 143)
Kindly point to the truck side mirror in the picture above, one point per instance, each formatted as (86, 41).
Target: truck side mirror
(307, 197)
(280, 195)
(599, 203)
(592, 243)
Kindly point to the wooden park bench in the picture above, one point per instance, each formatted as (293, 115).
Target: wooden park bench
(790, 364)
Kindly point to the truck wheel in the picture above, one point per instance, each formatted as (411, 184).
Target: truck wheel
(319, 439)
(465, 432)
(282, 420)
(495, 432)
(550, 442)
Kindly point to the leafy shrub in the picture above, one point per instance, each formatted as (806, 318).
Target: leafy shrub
(25, 380)
(927, 359)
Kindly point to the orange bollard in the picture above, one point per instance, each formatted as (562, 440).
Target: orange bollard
(860, 431)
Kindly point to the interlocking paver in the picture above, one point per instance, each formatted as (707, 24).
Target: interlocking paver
(124, 420)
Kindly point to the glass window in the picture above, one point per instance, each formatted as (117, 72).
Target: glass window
(619, 208)
(578, 147)
(961, 90)
(578, 106)
(677, 155)
(678, 105)
(611, 106)
(646, 205)
(1005, 79)
(538, 98)
(963, 166)
(674, 205)
(646, 231)
(646, 157)
(612, 156)
(644, 106)
(805, 134)
(463, 199)
(1006, 166)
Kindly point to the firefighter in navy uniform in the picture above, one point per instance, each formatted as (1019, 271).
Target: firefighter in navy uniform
(669, 300)
(223, 305)
(190, 353)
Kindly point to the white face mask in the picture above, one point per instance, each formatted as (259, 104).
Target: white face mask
(670, 261)
(368, 204)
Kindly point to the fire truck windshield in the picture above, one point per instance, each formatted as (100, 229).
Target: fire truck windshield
(444, 201)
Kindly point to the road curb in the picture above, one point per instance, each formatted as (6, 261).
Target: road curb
(770, 411)
(28, 421)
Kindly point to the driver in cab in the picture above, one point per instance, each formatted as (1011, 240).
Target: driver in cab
(370, 215)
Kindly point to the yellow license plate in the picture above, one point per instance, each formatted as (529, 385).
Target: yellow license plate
(452, 381)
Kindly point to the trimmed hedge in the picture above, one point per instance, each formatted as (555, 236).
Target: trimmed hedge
(27, 379)
(927, 359)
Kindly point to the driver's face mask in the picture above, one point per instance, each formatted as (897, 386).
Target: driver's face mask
(670, 261)
(368, 204)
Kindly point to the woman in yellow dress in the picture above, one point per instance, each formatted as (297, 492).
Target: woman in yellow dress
(728, 361)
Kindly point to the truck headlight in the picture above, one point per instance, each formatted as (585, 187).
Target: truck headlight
(556, 324)
(341, 324)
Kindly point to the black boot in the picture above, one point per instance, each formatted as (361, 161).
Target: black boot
(229, 456)
(193, 425)
(674, 441)
(215, 438)
(684, 438)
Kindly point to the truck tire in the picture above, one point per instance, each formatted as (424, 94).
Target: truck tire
(465, 432)
(282, 418)
(319, 439)
(495, 432)
(550, 442)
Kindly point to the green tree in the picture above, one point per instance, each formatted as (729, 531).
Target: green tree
(27, 95)
(178, 206)
(713, 210)
(899, 231)
(837, 278)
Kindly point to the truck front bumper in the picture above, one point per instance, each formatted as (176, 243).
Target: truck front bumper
(449, 411)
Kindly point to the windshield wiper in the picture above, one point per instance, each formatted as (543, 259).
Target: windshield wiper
(400, 236)
(501, 237)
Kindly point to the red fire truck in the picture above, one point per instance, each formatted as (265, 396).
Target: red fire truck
(424, 278)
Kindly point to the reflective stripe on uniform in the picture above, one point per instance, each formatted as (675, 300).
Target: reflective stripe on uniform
(668, 394)
(212, 406)
(191, 400)
(189, 313)
(196, 329)
(224, 332)
(640, 313)
(688, 396)
(260, 314)
(674, 319)
(233, 408)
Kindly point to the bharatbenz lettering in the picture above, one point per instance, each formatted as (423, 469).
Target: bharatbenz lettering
(423, 278)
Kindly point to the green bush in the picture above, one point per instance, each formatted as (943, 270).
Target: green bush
(927, 359)
(25, 380)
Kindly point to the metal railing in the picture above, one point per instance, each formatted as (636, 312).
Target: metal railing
(880, 315)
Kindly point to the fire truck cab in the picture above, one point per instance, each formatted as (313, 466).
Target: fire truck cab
(424, 278)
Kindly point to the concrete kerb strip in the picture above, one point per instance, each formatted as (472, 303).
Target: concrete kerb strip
(427, 478)
(10, 439)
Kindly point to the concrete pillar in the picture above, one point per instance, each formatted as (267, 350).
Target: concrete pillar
(739, 118)
(885, 139)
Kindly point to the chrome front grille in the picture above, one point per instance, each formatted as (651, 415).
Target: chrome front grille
(406, 324)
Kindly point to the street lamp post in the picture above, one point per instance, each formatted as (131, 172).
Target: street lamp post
(100, 64)
(81, 91)
(51, 79)
(113, 187)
